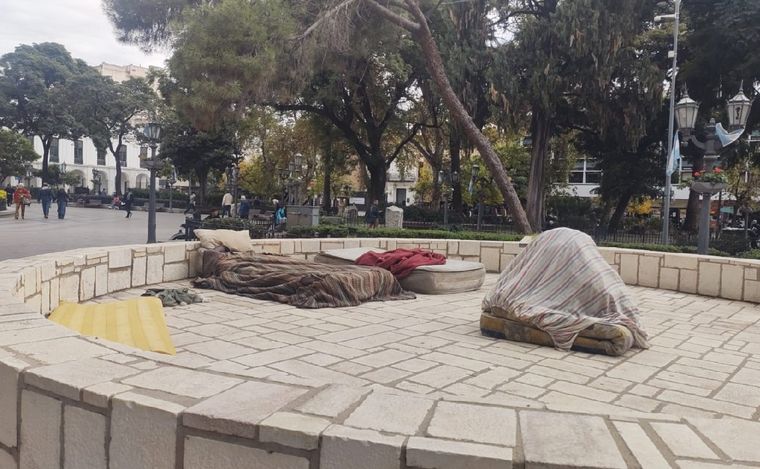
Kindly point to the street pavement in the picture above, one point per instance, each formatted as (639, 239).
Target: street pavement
(82, 227)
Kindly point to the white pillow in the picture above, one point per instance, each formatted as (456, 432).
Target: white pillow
(235, 241)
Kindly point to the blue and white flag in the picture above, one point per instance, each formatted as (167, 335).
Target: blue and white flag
(726, 137)
(674, 159)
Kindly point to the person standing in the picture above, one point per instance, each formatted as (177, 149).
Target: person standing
(128, 203)
(227, 205)
(373, 215)
(754, 234)
(21, 197)
(62, 200)
(46, 198)
(190, 204)
(245, 207)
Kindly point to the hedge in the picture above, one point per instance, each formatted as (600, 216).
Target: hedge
(336, 231)
(664, 248)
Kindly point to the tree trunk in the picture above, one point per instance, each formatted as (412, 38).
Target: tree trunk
(45, 157)
(376, 187)
(455, 151)
(118, 176)
(692, 208)
(535, 201)
(435, 66)
(326, 195)
(617, 216)
(202, 182)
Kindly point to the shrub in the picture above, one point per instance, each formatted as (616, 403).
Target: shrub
(337, 231)
(753, 254)
(664, 248)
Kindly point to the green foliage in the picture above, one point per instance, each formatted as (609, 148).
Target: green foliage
(753, 254)
(664, 248)
(335, 231)
(16, 154)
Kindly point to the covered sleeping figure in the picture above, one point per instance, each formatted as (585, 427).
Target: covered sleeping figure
(561, 292)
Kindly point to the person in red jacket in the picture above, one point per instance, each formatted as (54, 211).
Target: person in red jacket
(21, 197)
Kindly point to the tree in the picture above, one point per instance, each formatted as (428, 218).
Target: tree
(109, 111)
(34, 98)
(195, 152)
(16, 154)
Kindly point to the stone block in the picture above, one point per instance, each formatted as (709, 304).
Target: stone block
(35, 302)
(119, 258)
(271, 248)
(47, 271)
(687, 281)
(287, 246)
(10, 368)
(69, 288)
(351, 243)
(649, 271)
(55, 295)
(732, 282)
(476, 423)
(608, 254)
(752, 291)
(68, 379)
(143, 432)
(87, 284)
(682, 440)
(309, 246)
(682, 261)
(31, 283)
(293, 430)
(177, 271)
(84, 439)
(120, 279)
(708, 282)
(390, 413)
(61, 350)
(469, 248)
(202, 453)
(7, 461)
(101, 280)
(40, 431)
(45, 297)
(739, 439)
(568, 440)
(629, 268)
(155, 273)
(429, 453)
(182, 382)
(99, 394)
(139, 269)
(333, 400)
(344, 448)
(452, 247)
(174, 252)
(490, 258)
(239, 410)
(669, 279)
(642, 447)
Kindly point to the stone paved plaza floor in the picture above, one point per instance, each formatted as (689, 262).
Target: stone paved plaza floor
(82, 227)
(704, 364)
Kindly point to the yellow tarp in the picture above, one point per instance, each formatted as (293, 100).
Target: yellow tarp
(137, 322)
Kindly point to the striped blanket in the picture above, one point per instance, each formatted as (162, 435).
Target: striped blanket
(297, 282)
(562, 285)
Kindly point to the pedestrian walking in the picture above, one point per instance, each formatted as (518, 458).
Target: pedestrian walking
(191, 204)
(46, 198)
(245, 207)
(21, 197)
(128, 203)
(227, 205)
(62, 200)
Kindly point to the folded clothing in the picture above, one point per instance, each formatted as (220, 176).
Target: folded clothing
(401, 262)
(174, 296)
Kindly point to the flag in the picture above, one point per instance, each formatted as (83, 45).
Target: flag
(674, 159)
(726, 137)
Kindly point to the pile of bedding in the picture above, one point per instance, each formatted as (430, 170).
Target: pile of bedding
(301, 283)
(561, 285)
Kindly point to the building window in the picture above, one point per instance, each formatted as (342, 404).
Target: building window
(101, 156)
(143, 152)
(122, 154)
(78, 152)
(54, 150)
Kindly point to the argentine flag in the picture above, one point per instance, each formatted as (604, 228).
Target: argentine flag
(674, 159)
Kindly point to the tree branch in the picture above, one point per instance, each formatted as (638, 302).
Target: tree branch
(393, 17)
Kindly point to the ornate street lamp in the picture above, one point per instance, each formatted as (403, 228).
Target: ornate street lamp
(716, 138)
(152, 132)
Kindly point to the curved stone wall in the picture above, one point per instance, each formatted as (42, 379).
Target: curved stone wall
(68, 401)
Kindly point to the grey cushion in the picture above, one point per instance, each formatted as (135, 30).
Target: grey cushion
(452, 277)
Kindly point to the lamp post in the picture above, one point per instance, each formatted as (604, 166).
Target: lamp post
(152, 132)
(716, 138)
(447, 180)
(673, 73)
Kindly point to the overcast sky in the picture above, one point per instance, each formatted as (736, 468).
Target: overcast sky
(80, 25)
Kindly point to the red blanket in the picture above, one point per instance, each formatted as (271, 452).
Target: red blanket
(401, 262)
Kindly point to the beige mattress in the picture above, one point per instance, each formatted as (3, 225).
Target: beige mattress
(452, 277)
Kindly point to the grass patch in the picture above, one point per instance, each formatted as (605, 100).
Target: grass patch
(337, 231)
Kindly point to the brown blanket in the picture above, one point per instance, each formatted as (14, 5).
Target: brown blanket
(300, 283)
